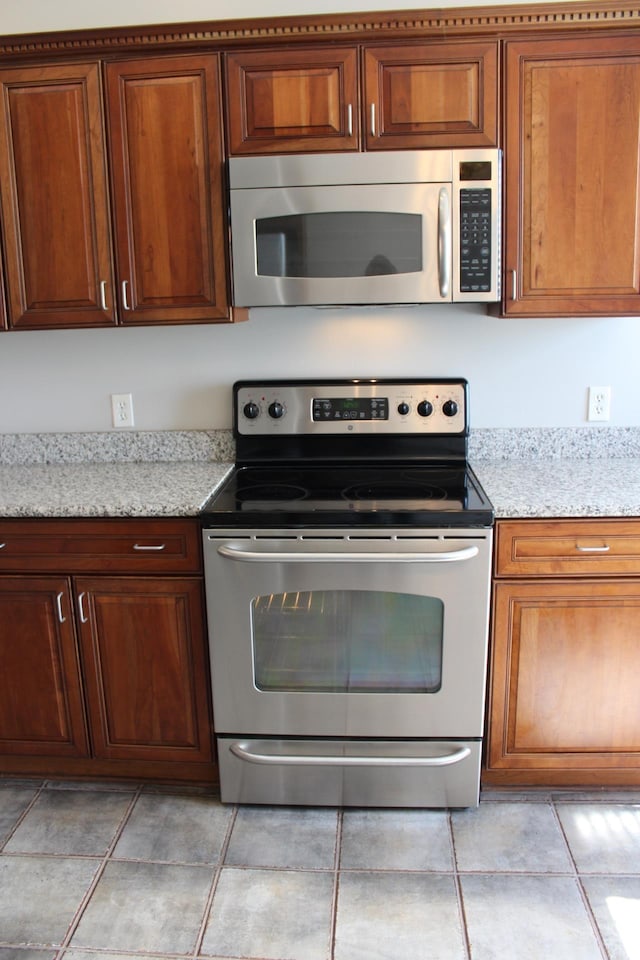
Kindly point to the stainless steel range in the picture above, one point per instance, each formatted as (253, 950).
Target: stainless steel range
(347, 564)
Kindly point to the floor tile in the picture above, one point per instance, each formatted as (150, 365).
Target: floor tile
(615, 902)
(396, 840)
(40, 896)
(21, 953)
(284, 837)
(603, 837)
(398, 916)
(503, 836)
(270, 914)
(174, 829)
(145, 906)
(70, 822)
(14, 800)
(526, 918)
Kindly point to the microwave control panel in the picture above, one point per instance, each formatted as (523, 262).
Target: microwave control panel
(475, 239)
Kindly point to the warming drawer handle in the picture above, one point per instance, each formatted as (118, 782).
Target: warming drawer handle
(603, 549)
(444, 242)
(244, 752)
(257, 556)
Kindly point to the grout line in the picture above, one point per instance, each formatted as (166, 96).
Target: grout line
(458, 885)
(336, 883)
(214, 884)
(73, 926)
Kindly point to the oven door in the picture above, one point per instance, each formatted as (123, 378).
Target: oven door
(374, 634)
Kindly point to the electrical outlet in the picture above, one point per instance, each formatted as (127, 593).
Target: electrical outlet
(122, 409)
(599, 403)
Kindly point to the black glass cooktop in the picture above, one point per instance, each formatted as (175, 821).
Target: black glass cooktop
(350, 495)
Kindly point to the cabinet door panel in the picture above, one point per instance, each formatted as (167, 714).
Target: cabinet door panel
(564, 693)
(432, 95)
(146, 668)
(53, 187)
(292, 101)
(573, 171)
(164, 125)
(41, 706)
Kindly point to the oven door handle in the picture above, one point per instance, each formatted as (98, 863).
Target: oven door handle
(243, 751)
(278, 556)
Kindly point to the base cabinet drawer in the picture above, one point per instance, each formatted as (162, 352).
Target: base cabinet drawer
(584, 548)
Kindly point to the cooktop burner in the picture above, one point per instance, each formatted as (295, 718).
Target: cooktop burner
(351, 452)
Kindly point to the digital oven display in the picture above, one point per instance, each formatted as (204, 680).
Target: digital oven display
(350, 408)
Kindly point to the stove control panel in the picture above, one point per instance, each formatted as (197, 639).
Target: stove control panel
(345, 407)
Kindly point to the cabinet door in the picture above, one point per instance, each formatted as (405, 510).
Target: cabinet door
(166, 164)
(564, 683)
(53, 192)
(41, 705)
(146, 668)
(431, 95)
(572, 177)
(292, 101)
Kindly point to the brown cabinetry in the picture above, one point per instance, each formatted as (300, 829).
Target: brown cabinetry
(162, 149)
(572, 202)
(565, 655)
(411, 96)
(105, 673)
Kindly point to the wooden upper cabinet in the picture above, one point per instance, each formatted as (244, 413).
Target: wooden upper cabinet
(292, 101)
(572, 137)
(431, 95)
(415, 95)
(54, 197)
(166, 166)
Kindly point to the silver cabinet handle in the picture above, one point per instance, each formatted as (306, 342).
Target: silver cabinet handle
(349, 119)
(61, 616)
(372, 114)
(125, 296)
(244, 751)
(603, 549)
(444, 242)
(514, 285)
(2, 546)
(156, 547)
(83, 617)
(103, 294)
(255, 556)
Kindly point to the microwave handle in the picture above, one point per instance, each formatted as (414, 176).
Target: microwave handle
(444, 242)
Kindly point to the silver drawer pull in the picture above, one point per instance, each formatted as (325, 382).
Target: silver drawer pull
(245, 752)
(156, 547)
(603, 549)
(2, 545)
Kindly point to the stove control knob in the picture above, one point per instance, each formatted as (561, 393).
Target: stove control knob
(450, 408)
(251, 410)
(425, 408)
(276, 410)
(403, 409)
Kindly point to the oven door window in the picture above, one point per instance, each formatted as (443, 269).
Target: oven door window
(347, 641)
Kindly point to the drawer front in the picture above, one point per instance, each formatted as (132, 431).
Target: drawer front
(528, 548)
(114, 546)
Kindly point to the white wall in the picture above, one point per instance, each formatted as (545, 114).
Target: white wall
(522, 372)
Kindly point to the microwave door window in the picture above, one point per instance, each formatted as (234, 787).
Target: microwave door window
(339, 245)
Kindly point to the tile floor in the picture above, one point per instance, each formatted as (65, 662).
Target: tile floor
(104, 872)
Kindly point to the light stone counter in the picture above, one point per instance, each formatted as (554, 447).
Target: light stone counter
(561, 488)
(173, 489)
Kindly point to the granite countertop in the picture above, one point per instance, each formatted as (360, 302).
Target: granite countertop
(561, 488)
(545, 473)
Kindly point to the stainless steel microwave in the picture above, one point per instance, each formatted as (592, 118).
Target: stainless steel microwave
(416, 226)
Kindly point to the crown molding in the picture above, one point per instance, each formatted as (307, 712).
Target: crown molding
(437, 23)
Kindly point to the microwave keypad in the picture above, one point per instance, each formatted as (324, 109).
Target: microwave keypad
(475, 240)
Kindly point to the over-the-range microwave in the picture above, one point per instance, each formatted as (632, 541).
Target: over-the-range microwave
(416, 226)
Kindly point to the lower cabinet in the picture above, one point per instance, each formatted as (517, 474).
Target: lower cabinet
(565, 654)
(104, 675)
